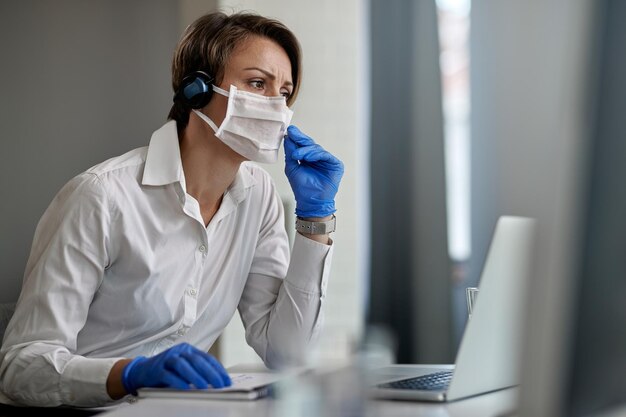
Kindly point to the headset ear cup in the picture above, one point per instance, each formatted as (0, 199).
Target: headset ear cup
(195, 90)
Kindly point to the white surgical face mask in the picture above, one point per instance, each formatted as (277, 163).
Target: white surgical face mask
(254, 125)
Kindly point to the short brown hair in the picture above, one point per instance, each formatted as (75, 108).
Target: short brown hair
(208, 42)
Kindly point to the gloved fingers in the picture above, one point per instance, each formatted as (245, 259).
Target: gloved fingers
(330, 167)
(305, 153)
(298, 137)
(316, 154)
(219, 368)
(186, 371)
(211, 360)
(290, 146)
(171, 380)
(200, 363)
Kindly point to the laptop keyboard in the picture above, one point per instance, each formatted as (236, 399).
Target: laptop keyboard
(437, 381)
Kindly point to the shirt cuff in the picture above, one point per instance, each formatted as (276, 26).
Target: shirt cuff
(310, 265)
(84, 381)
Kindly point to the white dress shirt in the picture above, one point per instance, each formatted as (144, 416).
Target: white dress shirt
(122, 265)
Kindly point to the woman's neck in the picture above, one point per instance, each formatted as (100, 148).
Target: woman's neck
(209, 165)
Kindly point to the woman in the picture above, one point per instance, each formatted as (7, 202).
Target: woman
(140, 262)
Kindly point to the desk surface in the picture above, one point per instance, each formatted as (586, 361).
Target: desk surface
(496, 404)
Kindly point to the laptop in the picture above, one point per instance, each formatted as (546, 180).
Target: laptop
(488, 357)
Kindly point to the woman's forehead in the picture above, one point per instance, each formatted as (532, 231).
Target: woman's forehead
(260, 51)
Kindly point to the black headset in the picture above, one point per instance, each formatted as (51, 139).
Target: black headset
(195, 90)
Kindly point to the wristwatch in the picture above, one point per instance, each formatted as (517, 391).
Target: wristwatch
(316, 228)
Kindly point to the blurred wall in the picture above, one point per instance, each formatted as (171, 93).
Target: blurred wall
(527, 93)
(530, 116)
(80, 82)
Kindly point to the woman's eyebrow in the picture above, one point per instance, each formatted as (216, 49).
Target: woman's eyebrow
(267, 73)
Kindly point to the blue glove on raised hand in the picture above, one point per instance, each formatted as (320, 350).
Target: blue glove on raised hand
(314, 174)
(180, 367)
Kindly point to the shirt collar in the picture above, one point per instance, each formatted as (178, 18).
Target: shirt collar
(164, 165)
(243, 181)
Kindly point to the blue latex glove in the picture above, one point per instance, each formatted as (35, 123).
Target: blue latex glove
(314, 174)
(180, 367)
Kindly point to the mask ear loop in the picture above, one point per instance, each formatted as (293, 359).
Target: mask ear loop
(220, 91)
(206, 119)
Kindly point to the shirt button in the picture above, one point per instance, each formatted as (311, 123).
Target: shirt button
(193, 291)
(202, 248)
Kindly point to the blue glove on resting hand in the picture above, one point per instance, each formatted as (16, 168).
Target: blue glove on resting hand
(314, 174)
(180, 367)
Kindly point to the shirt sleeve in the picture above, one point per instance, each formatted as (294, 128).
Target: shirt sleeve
(282, 303)
(38, 364)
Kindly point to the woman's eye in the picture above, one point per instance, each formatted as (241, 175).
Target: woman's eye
(286, 94)
(258, 84)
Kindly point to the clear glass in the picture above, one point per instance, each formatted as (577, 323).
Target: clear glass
(472, 294)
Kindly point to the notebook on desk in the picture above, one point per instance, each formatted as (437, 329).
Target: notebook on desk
(488, 358)
(245, 386)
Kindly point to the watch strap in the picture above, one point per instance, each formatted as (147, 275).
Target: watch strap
(316, 228)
